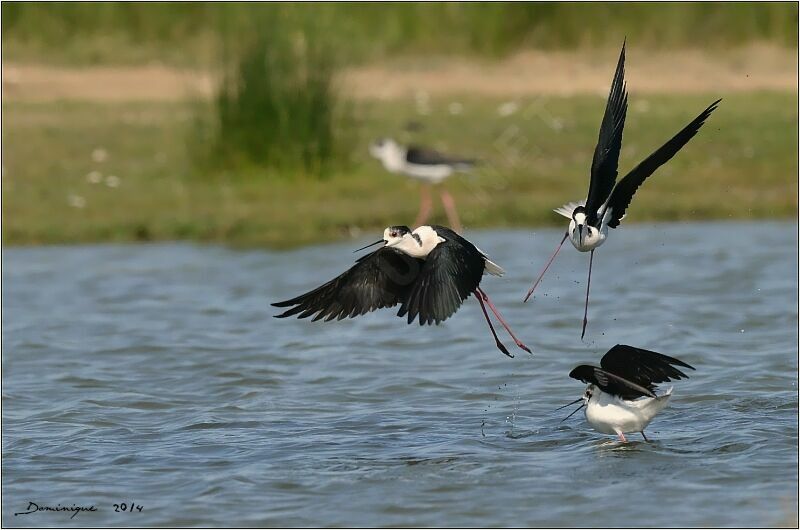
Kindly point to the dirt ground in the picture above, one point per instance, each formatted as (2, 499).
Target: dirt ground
(752, 68)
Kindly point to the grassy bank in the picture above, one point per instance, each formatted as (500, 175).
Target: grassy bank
(742, 165)
(190, 33)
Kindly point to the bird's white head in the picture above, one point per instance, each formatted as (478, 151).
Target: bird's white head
(584, 236)
(394, 235)
(590, 392)
(578, 230)
(417, 244)
(389, 152)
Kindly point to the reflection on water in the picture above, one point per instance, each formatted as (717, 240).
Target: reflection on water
(156, 375)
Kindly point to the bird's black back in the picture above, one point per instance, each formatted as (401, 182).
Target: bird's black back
(451, 272)
(429, 157)
(609, 143)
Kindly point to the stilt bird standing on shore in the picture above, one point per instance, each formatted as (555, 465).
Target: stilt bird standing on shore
(607, 200)
(429, 272)
(430, 167)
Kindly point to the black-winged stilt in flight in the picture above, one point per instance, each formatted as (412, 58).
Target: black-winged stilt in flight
(606, 202)
(429, 272)
(426, 165)
(621, 396)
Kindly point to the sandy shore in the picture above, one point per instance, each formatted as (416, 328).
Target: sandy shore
(751, 68)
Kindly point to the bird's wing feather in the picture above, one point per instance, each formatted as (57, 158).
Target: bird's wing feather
(429, 157)
(452, 271)
(643, 367)
(624, 190)
(379, 279)
(610, 383)
(609, 142)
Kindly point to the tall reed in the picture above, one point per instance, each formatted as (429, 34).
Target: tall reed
(277, 106)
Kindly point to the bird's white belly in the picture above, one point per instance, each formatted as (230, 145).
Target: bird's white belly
(591, 242)
(611, 417)
(433, 173)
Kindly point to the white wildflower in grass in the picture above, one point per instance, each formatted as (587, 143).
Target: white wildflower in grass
(508, 108)
(99, 154)
(76, 201)
(112, 181)
(94, 177)
(422, 100)
(642, 106)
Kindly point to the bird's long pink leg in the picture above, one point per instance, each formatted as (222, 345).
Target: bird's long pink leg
(482, 294)
(621, 436)
(541, 275)
(588, 283)
(425, 205)
(450, 209)
(500, 345)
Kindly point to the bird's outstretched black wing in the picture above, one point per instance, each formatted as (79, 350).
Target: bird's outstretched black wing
(379, 279)
(429, 157)
(610, 383)
(609, 142)
(630, 372)
(624, 190)
(643, 367)
(452, 271)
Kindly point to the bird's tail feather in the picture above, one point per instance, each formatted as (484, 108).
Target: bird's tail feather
(568, 208)
(493, 268)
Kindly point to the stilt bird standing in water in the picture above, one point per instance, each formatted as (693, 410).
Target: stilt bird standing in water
(607, 200)
(429, 272)
(621, 396)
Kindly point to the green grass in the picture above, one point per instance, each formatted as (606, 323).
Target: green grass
(277, 107)
(190, 33)
(742, 165)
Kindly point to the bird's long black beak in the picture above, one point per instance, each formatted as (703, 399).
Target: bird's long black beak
(573, 412)
(570, 403)
(580, 235)
(378, 242)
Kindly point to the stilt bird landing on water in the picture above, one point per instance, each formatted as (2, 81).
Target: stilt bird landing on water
(429, 272)
(621, 396)
(607, 200)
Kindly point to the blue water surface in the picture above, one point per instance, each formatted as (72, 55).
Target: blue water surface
(156, 375)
